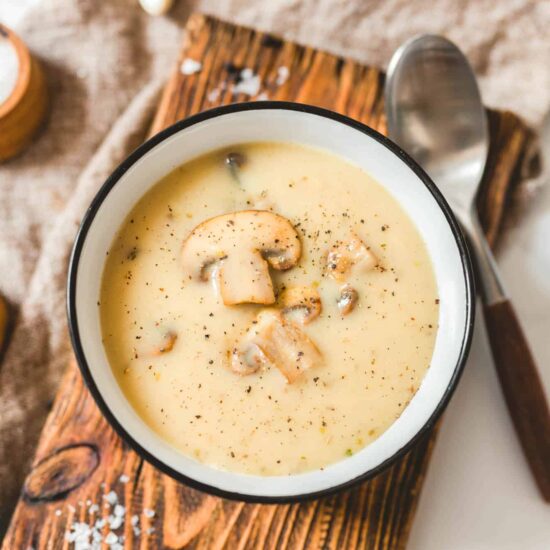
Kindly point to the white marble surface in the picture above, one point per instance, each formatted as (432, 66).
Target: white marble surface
(479, 494)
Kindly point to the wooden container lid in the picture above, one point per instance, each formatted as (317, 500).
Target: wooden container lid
(24, 109)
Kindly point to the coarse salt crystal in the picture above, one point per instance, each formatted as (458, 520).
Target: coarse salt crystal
(213, 95)
(58, 512)
(80, 533)
(249, 83)
(282, 75)
(111, 497)
(135, 520)
(119, 510)
(93, 509)
(190, 66)
(124, 478)
(262, 97)
(149, 513)
(115, 521)
(111, 538)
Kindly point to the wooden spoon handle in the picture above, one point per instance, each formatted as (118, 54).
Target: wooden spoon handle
(522, 388)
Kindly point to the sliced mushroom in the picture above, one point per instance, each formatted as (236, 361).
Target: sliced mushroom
(304, 301)
(344, 255)
(249, 359)
(348, 299)
(236, 249)
(168, 340)
(273, 341)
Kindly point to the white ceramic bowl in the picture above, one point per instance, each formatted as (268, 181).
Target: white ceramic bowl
(274, 121)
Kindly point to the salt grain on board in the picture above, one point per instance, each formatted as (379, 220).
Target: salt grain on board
(124, 478)
(135, 521)
(90, 537)
(213, 95)
(115, 521)
(282, 75)
(79, 534)
(121, 510)
(111, 538)
(111, 497)
(190, 66)
(248, 84)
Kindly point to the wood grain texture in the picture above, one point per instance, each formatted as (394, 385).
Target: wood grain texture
(523, 389)
(80, 458)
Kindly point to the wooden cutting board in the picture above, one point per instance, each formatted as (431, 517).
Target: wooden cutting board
(82, 469)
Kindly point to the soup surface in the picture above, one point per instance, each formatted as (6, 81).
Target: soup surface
(334, 351)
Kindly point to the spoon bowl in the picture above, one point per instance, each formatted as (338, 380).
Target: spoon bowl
(435, 113)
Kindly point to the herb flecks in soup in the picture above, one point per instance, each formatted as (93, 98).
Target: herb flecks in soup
(268, 309)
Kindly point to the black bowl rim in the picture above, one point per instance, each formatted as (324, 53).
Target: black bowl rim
(253, 106)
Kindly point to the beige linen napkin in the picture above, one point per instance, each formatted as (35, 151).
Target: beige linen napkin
(105, 62)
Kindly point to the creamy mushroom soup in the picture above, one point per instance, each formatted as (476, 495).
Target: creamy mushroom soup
(268, 309)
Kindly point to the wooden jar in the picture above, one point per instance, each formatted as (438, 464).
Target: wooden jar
(23, 111)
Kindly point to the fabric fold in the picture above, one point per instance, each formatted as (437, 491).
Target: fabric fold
(40, 346)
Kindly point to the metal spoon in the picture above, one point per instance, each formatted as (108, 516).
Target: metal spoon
(435, 113)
